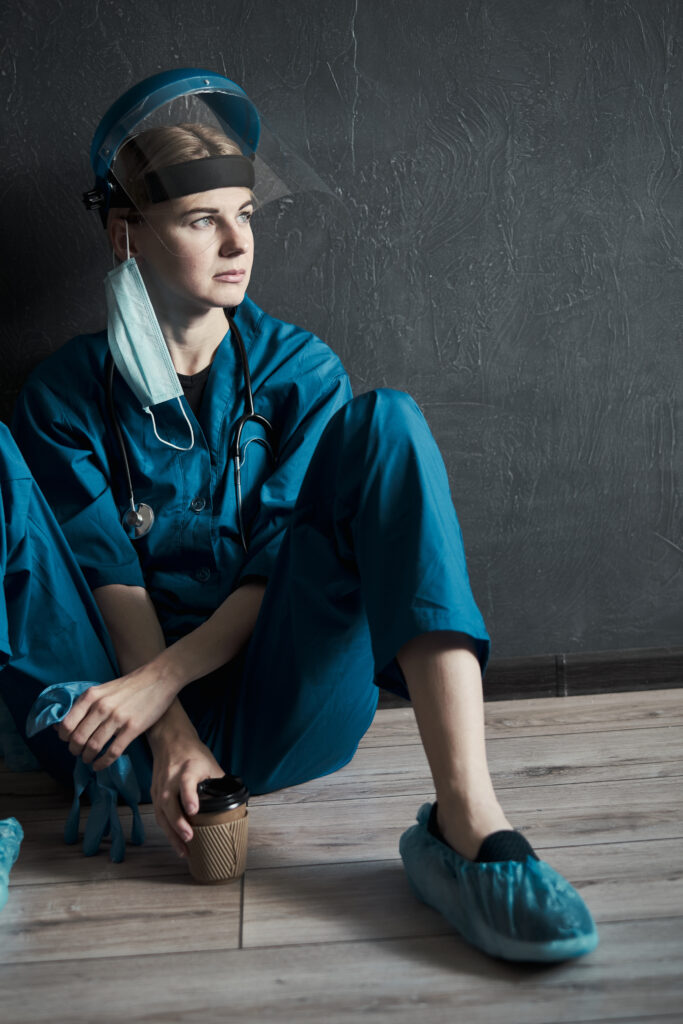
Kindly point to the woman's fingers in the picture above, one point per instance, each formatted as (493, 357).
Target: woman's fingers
(117, 747)
(188, 792)
(169, 815)
(95, 742)
(181, 762)
(81, 709)
(95, 719)
(130, 705)
(177, 843)
(82, 738)
(93, 733)
(88, 725)
(172, 807)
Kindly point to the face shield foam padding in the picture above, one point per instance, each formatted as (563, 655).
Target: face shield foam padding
(200, 175)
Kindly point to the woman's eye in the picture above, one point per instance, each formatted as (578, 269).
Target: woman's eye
(245, 216)
(203, 222)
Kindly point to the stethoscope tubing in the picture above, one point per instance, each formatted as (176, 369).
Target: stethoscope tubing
(142, 524)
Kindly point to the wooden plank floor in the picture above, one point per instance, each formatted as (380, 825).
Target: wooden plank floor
(323, 926)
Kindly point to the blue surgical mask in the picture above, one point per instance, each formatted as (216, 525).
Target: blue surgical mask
(137, 345)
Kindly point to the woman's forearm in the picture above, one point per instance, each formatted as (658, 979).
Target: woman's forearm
(145, 698)
(132, 624)
(210, 645)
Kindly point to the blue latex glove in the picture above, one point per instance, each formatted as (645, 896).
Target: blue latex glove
(103, 787)
(517, 910)
(11, 834)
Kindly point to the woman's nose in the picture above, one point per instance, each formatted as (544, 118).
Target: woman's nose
(233, 241)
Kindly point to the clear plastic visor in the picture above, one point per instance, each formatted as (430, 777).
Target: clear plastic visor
(184, 172)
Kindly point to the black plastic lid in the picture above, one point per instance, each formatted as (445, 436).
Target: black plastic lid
(221, 794)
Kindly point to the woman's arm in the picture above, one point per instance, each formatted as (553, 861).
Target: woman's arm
(212, 644)
(132, 623)
(124, 708)
(155, 675)
(180, 759)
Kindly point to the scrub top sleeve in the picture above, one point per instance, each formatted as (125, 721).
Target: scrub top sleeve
(278, 494)
(69, 464)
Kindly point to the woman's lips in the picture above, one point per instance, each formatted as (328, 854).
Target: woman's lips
(231, 276)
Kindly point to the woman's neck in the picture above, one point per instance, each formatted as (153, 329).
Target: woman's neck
(193, 343)
(191, 331)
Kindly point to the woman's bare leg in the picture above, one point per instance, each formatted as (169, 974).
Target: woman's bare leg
(444, 682)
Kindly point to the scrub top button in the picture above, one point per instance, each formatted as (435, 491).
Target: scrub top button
(197, 504)
(202, 575)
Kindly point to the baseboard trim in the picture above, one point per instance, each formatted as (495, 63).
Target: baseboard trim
(569, 675)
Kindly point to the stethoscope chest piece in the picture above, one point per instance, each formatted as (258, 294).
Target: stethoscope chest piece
(138, 520)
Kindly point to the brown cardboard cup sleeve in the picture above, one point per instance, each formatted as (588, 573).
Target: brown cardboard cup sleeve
(217, 851)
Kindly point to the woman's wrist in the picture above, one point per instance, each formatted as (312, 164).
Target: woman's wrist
(173, 727)
(165, 672)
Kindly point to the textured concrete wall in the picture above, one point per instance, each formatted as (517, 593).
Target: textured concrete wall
(505, 244)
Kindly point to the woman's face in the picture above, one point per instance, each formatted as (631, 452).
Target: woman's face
(196, 252)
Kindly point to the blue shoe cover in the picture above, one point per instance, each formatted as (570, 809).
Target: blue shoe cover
(103, 787)
(11, 834)
(517, 910)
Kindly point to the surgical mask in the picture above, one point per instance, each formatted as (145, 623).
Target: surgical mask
(137, 344)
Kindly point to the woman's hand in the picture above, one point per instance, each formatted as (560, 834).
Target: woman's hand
(181, 762)
(118, 711)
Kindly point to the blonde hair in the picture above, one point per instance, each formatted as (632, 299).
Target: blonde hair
(156, 148)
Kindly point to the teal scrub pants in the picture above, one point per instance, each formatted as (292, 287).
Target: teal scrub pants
(372, 557)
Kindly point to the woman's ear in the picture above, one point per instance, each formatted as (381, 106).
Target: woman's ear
(121, 235)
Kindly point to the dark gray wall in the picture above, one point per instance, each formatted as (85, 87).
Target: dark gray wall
(509, 251)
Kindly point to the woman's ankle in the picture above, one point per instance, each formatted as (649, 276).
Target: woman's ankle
(466, 821)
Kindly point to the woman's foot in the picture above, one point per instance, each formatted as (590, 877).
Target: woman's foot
(517, 908)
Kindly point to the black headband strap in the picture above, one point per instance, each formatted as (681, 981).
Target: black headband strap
(200, 175)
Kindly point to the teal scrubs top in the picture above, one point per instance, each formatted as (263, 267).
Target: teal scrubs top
(192, 558)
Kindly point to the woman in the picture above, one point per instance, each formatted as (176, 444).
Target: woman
(253, 611)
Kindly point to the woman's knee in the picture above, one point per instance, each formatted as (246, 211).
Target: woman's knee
(388, 411)
(372, 429)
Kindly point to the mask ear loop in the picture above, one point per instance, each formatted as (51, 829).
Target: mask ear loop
(114, 257)
(170, 444)
(178, 447)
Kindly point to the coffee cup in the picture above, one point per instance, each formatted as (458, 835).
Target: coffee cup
(217, 851)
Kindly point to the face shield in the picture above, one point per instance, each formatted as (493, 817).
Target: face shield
(167, 150)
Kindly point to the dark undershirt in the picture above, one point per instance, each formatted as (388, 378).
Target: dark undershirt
(193, 387)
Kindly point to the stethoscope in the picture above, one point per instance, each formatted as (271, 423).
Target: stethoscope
(138, 518)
